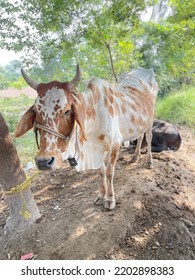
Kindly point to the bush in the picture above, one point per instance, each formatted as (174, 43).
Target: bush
(12, 110)
(178, 108)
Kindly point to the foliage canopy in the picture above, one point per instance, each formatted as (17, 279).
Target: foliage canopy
(107, 37)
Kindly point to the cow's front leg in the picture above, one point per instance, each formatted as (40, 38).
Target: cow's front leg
(110, 202)
(137, 152)
(102, 189)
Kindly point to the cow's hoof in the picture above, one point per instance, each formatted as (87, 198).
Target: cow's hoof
(110, 205)
(99, 201)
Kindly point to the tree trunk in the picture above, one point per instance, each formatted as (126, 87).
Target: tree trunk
(111, 60)
(23, 209)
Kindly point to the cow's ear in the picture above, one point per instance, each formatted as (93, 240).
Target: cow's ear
(26, 122)
(79, 117)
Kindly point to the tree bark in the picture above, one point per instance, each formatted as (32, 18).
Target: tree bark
(23, 209)
(111, 61)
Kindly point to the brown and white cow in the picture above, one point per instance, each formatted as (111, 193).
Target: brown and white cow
(88, 128)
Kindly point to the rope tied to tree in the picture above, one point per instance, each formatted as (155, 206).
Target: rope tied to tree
(19, 189)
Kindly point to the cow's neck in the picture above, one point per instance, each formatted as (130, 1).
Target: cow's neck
(72, 153)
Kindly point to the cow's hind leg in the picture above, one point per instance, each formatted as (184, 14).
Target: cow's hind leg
(103, 187)
(137, 152)
(110, 202)
(149, 162)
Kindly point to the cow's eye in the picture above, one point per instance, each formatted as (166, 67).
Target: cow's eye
(67, 112)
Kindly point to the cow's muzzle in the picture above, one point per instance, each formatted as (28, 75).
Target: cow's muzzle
(45, 163)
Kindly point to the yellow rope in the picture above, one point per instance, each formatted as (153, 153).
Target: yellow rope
(22, 187)
(19, 189)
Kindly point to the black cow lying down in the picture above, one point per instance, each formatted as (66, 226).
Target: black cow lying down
(165, 136)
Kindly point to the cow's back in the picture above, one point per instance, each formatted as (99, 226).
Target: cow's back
(140, 79)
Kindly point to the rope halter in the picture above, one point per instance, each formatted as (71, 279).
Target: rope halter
(51, 131)
(72, 161)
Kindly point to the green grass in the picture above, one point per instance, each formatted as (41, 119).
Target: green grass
(178, 107)
(12, 110)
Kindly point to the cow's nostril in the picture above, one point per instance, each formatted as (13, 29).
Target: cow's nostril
(50, 162)
(45, 163)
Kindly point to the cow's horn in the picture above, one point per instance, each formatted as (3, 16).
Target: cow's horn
(29, 81)
(76, 79)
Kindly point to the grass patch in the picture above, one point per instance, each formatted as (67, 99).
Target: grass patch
(12, 110)
(178, 107)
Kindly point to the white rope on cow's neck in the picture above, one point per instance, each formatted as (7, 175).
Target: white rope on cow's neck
(50, 130)
(57, 134)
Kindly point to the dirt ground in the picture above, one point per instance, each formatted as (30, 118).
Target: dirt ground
(154, 217)
(13, 92)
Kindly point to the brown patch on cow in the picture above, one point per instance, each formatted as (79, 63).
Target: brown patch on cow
(90, 113)
(139, 121)
(134, 107)
(81, 139)
(138, 92)
(132, 119)
(114, 154)
(101, 137)
(111, 111)
(39, 107)
(110, 170)
(106, 103)
(88, 108)
(95, 91)
(131, 130)
(109, 94)
(82, 156)
(56, 108)
(111, 98)
(111, 90)
(96, 96)
(119, 95)
(124, 110)
(41, 101)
